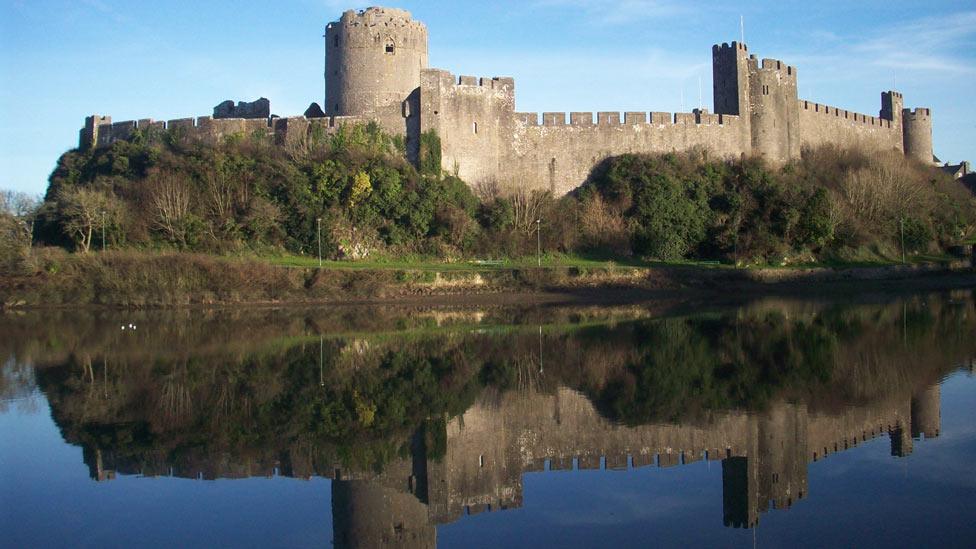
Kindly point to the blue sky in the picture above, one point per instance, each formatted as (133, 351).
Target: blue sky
(61, 60)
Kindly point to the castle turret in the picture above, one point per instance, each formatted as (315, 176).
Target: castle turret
(892, 104)
(764, 95)
(774, 110)
(918, 134)
(373, 60)
(730, 86)
(88, 136)
(730, 79)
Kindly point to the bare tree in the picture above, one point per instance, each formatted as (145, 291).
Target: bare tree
(487, 190)
(884, 190)
(527, 207)
(83, 210)
(171, 199)
(222, 194)
(22, 208)
(602, 226)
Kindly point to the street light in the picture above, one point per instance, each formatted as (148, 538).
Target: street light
(318, 221)
(538, 240)
(901, 225)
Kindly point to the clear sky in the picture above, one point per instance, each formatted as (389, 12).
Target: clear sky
(61, 60)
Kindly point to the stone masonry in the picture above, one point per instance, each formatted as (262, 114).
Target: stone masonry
(376, 69)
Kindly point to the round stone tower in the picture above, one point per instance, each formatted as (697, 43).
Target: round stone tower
(917, 132)
(373, 60)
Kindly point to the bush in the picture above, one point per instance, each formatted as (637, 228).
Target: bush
(917, 235)
(167, 190)
(833, 202)
(244, 192)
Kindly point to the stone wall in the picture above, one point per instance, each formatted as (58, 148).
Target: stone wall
(100, 131)
(559, 156)
(823, 125)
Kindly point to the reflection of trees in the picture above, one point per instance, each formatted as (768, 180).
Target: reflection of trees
(680, 366)
(379, 390)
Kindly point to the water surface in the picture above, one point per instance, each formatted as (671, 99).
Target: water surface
(777, 422)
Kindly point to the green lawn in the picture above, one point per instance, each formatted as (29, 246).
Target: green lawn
(557, 261)
(549, 261)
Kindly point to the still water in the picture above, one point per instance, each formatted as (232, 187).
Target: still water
(776, 423)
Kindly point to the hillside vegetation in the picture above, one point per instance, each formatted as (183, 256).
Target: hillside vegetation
(356, 196)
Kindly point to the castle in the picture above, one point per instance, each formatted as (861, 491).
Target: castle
(492, 446)
(376, 69)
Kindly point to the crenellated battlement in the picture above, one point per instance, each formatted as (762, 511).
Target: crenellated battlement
(614, 119)
(378, 17)
(850, 116)
(919, 112)
(100, 131)
(726, 47)
(445, 80)
(775, 65)
(494, 82)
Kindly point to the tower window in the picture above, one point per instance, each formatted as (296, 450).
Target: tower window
(336, 42)
(474, 128)
(390, 46)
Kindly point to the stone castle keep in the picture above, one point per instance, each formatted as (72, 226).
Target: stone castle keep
(376, 69)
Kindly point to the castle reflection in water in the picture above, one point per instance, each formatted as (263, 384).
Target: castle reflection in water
(575, 399)
(492, 445)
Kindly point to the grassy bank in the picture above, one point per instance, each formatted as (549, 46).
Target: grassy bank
(142, 279)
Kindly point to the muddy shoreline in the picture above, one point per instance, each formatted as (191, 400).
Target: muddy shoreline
(145, 288)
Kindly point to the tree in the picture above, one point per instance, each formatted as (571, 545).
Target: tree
(171, 200)
(815, 226)
(670, 217)
(361, 188)
(22, 208)
(82, 210)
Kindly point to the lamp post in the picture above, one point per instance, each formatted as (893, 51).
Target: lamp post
(318, 222)
(103, 230)
(901, 225)
(538, 240)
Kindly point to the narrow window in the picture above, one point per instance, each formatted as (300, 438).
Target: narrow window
(336, 41)
(390, 46)
(337, 107)
(481, 460)
(474, 128)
